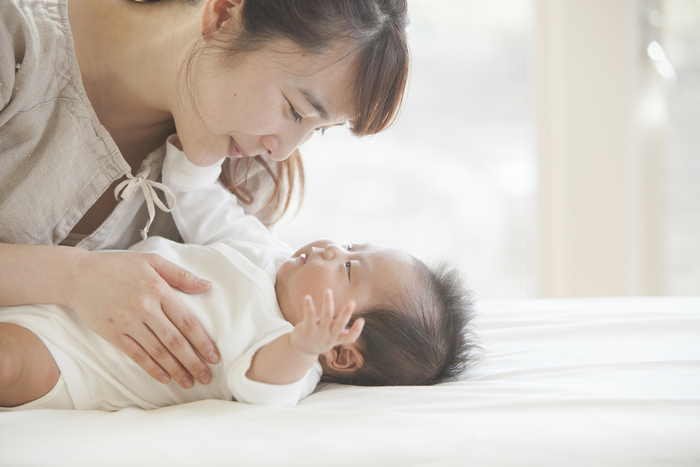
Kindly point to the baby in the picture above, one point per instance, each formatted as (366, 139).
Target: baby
(357, 314)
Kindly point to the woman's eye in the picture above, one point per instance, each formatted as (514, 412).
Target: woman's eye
(347, 267)
(295, 115)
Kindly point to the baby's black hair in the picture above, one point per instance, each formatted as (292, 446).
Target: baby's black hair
(422, 339)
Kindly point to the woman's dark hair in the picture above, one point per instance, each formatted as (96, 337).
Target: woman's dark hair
(370, 33)
(422, 340)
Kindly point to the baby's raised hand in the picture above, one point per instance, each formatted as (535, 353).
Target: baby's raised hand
(318, 333)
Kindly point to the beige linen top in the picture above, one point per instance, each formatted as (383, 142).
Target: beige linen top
(56, 159)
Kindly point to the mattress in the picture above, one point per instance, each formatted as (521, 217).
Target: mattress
(570, 382)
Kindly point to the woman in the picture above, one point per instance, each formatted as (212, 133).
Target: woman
(90, 89)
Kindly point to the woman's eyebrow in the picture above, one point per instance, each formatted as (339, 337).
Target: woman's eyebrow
(315, 103)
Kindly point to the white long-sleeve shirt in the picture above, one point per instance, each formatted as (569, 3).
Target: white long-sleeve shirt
(240, 312)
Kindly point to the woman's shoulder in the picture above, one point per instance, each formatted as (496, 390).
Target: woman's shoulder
(37, 60)
(13, 45)
(45, 114)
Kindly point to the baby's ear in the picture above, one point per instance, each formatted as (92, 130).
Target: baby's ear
(345, 357)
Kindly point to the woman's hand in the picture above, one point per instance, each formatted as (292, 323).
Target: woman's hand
(318, 333)
(127, 299)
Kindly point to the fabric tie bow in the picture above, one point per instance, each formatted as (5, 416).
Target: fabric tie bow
(148, 187)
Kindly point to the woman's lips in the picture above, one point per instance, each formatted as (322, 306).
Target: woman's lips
(303, 258)
(234, 151)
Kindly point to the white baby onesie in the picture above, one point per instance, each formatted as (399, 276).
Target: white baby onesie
(240, 311)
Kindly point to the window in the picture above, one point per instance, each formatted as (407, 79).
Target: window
(679, 30)
(456, 177)
(593, 191)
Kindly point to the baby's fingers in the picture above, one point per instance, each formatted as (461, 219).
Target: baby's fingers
(309, 309)
(327, 309)
(344, 316)
(348, 336)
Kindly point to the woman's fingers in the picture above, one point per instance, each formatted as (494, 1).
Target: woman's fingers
(188, 325)
(127, 298)
(157, 355)
(175, 331)
(180, 278)
(143, 359)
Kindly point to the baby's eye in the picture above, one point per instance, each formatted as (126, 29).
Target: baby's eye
(349, 247)
(347, 267)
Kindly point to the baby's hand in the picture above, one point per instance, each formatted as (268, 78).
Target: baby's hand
(317, 334)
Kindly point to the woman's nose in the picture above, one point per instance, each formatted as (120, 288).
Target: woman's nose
(272, 146)
(279, 150)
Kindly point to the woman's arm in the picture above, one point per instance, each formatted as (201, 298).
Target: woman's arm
(288, 358)
(151, 326)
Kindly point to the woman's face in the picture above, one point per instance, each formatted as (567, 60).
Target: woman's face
(270, 102)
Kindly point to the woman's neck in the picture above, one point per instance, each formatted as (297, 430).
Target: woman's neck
(130, 55)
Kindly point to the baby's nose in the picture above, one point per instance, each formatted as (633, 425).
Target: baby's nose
(332, 250)
(319, 251)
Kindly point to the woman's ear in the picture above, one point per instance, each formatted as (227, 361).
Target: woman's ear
(345, 357)
(220, 13)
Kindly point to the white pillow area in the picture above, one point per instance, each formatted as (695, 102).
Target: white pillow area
(569, 382)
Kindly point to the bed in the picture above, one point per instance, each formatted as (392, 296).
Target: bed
(566, 382)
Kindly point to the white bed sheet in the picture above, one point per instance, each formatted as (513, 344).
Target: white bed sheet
(576, 382)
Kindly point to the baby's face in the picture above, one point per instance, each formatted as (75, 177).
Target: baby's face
(368, 274)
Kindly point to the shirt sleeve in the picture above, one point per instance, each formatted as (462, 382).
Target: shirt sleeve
(205, 212)
(277, 395)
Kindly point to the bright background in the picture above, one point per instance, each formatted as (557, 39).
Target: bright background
(681, 36)
(457, 177)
